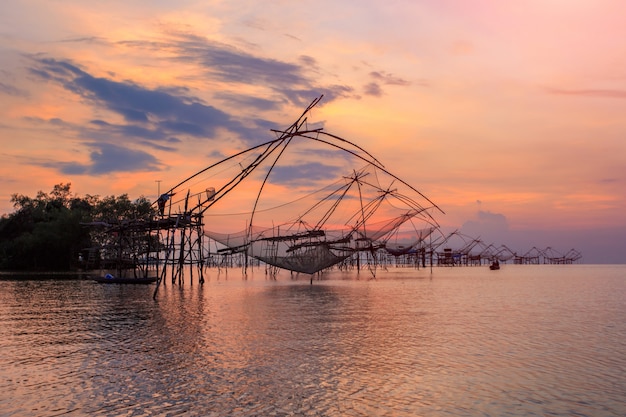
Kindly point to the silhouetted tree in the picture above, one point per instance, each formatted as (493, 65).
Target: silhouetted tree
(48, 233)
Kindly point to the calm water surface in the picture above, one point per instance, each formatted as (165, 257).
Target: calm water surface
(522, 341)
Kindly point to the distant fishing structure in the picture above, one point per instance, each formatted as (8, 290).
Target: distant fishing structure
(458, 249)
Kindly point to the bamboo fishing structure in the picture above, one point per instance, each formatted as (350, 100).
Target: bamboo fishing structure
(368, 218)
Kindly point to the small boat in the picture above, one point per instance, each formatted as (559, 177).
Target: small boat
(494, 265)
(110, 279)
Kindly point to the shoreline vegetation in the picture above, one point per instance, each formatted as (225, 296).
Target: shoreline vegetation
(47, 232)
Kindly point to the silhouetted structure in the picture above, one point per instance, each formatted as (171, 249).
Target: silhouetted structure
(367, 218)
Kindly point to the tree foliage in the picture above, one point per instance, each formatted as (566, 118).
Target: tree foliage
(47, 232)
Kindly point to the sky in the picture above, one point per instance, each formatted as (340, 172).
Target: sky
(508, 115)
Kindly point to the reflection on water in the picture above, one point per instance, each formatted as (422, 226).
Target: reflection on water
(525, 340)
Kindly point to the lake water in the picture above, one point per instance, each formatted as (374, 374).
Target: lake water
(527, 340)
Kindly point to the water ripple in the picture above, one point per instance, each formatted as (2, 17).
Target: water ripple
(458, 343)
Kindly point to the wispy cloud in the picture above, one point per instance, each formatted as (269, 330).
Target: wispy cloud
(389, 79)
(152, 114)
(158, 119)
(12, 91)
(380, 78)
(373, 89)
(259, 103)
(222, 61)
(107, 158)
(608, 93)
(304, 174)
(294, 81)
(154, 119)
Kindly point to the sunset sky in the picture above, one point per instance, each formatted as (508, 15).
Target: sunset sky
(511, 116)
